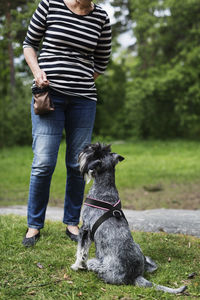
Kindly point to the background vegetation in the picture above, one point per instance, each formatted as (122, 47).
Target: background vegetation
(150, 90)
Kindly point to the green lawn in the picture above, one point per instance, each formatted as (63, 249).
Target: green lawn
(175, 165)
(43, 272)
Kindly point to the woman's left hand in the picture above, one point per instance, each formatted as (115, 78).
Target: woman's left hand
(96, 75)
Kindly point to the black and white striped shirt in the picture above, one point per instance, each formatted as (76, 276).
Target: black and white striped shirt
(73, 47)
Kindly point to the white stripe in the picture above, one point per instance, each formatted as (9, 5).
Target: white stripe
(75, 30)
(73, 82)
(71, 76)
(33, 38)
(46, 2)
(63, 42)
(64, 87)
(79, 20)
(106, 57)
(43, 8)
(36, 26)
(67, 69)
(35, 32)
(64, 65)
(40, 15)
(96, 31)
(101, 51)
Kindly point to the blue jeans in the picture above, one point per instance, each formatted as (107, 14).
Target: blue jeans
(76, 115)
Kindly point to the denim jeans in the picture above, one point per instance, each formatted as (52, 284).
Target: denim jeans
(76, 115)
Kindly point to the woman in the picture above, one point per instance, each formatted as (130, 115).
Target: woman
(75, 51)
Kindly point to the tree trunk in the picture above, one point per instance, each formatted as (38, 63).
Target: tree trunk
(10, 48)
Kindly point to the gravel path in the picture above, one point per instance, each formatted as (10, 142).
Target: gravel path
(155, 220)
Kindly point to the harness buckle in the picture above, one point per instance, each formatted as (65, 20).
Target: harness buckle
(117, 214)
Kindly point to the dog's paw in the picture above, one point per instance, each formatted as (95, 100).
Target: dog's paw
(75, 267)
(92, 264)
(150, 265)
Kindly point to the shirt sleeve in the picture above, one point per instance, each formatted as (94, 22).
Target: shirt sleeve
(103, 49)
(37, 26)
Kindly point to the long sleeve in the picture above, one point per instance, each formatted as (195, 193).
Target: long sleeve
(103, 49)
(37, 26)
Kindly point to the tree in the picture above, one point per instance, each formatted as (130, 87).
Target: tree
(111, 101)
(6, 20)
(14, 109)
(163, 92)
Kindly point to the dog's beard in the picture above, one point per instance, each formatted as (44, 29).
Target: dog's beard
(83, 161)
(88, 176)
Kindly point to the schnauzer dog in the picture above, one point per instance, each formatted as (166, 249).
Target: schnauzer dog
(119, 260)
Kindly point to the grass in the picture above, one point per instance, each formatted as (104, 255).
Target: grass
(174, 165)
(43, 272)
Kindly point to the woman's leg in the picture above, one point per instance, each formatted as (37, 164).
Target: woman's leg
(80, 116)
(47, 133)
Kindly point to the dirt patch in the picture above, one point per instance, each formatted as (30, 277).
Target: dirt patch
(178, 196)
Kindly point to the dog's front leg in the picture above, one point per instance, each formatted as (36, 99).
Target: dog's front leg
(83, 247)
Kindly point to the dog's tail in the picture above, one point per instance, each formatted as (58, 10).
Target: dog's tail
(141, 281)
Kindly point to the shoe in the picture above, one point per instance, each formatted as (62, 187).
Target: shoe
(73, 237)
(30, 242)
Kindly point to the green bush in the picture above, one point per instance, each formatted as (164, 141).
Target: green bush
(15, 121)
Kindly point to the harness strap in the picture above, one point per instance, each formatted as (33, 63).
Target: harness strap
(101, 204)
(112, 211)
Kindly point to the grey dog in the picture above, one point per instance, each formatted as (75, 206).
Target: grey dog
(119, 260)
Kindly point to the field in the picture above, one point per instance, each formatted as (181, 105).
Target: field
(43, 272)
(154, 174)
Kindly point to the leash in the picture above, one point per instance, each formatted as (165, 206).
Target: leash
(112, 211)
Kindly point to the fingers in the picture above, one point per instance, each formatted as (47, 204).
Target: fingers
(96, 75)
(41, 79)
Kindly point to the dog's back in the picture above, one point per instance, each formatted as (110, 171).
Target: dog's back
(122, 259)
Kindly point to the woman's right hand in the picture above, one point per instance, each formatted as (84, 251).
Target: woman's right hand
(39, 75)
(41, 79)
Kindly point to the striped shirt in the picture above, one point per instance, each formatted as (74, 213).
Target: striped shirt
(73, 47)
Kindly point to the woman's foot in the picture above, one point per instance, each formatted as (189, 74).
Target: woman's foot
(72, 232)
(32, 232)
(32, 236)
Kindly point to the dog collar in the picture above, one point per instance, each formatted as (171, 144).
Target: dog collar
(111, 211)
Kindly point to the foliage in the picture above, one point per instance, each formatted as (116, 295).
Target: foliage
(15, 120)
(163, 93)
(162, 96)
(150, 90)
(38, 273)
(15, 124)
(111, 99)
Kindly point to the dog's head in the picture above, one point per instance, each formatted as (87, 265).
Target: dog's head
(97, 158)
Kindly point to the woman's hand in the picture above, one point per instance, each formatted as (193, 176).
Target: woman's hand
(39, 75)
(96, 75)
(41, 78)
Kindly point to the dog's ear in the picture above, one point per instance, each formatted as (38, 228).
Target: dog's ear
(117, 158)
